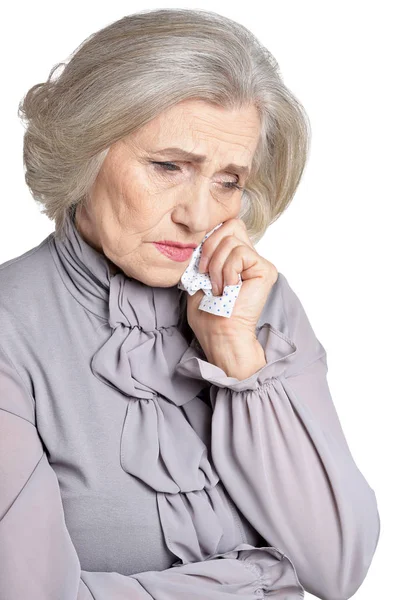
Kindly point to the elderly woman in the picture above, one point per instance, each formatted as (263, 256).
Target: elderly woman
(150, 446)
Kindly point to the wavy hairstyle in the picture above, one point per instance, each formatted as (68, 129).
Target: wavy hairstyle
(125, 74)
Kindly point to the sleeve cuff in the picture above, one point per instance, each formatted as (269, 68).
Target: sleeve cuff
(279, 351)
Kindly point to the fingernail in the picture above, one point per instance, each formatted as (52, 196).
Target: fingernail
(215, 290)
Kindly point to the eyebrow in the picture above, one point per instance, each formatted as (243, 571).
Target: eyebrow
(200, 158)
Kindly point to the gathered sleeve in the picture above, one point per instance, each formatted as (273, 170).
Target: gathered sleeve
(279, 448)
(38, 560)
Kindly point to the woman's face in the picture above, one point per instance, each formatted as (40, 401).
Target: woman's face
(135, 202)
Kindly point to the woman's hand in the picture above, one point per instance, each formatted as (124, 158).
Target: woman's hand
(225, 254)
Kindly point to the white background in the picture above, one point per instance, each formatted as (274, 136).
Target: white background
(337, 242)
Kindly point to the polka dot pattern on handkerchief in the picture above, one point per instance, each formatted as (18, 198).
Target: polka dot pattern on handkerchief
(192, 281)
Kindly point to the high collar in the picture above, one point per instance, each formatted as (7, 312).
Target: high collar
(92, 278)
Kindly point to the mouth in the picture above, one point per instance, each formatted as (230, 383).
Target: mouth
(175, 252)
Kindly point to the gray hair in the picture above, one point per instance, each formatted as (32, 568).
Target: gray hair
(125, 74)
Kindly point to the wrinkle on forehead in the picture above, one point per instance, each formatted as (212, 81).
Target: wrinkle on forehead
(205, 129)
(214, 126)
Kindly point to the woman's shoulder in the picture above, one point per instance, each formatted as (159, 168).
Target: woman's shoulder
(25, 281)
(23, 272)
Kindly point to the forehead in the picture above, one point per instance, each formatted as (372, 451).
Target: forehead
(196, 130)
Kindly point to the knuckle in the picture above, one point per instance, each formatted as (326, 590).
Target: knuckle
(230, 239)
(240, 249)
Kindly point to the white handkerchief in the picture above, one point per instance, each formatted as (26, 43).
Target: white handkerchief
(192, 281)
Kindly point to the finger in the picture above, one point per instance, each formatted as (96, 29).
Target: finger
(233, 266)
(242, 261)
(218, 261)
(250, 265)
(234, 227)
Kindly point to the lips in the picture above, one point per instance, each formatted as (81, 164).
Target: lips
(174, 252)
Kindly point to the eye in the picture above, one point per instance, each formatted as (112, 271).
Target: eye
(171, 167)
(165, 166)
(232, 185)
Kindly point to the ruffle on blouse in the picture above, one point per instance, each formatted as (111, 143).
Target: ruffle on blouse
(139, 358)
(158, 444)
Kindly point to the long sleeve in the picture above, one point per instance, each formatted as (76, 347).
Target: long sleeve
(38, 560)
(279, 448)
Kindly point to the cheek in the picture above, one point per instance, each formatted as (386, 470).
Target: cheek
(140, 200)
(229, 209)
(137, 209)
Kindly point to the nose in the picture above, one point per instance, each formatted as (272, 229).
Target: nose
(193, 206)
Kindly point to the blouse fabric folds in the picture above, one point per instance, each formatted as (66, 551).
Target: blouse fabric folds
(132, 468)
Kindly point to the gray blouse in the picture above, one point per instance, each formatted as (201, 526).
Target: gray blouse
(132, 468)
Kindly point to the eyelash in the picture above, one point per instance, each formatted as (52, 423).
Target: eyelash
(229, 184)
